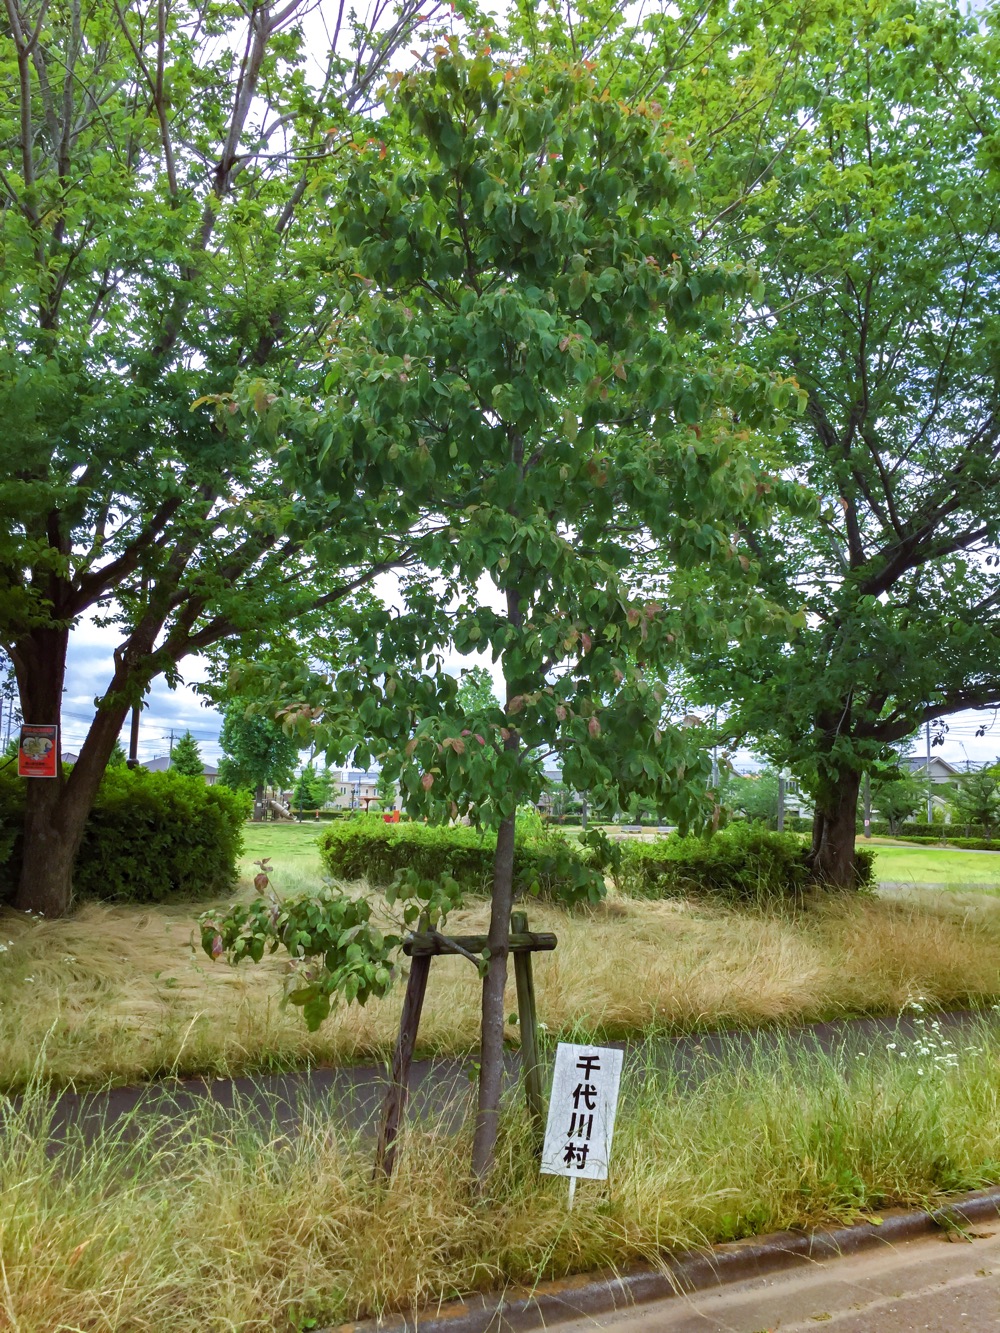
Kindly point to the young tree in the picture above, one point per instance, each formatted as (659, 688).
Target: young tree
(975, 797)
(256, 753)
(475, 691)
(754, 796)
(164, 173)
(386, 791)
(185, 757)
(879, 251)
(898, 797)
(520, 360)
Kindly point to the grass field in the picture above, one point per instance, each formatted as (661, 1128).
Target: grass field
(937, 865)
(206, 1224)
(125, 993)
(296, 861)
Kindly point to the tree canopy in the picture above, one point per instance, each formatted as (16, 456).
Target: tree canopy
(519, 376)
(164, 171)
(878, 246)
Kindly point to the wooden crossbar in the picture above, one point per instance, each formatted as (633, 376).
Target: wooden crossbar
(426, 943)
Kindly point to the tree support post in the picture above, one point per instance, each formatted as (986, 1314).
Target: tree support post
(402, 1057)
(421, 947)
(527, 1018)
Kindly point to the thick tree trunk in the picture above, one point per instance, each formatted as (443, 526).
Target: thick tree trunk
(834, 831)
(56, 809)
(494, 984)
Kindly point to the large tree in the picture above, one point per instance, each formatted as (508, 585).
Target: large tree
(256, 752)
(520, 366)
(164, 169)
(878, 241)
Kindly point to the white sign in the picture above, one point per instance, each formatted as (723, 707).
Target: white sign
(582, 1112)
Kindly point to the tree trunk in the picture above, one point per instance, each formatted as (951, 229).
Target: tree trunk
(258, 803)
(56, 809)
(834, 831)
(494, 984)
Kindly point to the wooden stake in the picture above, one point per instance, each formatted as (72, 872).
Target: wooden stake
(527, 1018)
(402, 1056)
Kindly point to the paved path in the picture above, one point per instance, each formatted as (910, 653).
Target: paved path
(925, 1286)
(441, 1087)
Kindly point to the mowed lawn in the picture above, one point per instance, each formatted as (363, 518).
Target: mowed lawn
(292, 851)
(936, 865)
(295, 859)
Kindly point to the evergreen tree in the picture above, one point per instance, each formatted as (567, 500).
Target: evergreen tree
(185, 757)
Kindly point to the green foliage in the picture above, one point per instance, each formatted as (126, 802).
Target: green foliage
(337, 953)
(741, 865)
(256, 751)
(185, 757)
(365, 847)
(310, 791)
(385, 791)
(164, 224)
(975, 798)
(898, 797)
(878, 268)
(753, 797)
(521, 346)
(475, 692)
(150, 838)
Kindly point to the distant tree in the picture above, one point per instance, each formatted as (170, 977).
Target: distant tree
(753, 796)
(185, 757)
(306, 792)
(118, 759)
(475, 691)
(897, 797)
(975, 797)
(385, 791)
(256, 753)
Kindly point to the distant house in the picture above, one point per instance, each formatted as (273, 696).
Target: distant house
(940, 770)
(355, 789)
(162, 762)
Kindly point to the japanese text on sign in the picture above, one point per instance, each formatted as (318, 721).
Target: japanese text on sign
(582, 1111)
(38, 752)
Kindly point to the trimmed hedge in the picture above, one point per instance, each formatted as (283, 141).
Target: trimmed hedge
(741, 865)
(366, 847)
(150, 837)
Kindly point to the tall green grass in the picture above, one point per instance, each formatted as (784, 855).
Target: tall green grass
(209, 1221)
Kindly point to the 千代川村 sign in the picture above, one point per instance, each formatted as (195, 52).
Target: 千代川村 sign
(582, 1112)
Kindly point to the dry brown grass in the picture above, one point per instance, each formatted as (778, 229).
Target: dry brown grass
(120, 993)
(218, 1226)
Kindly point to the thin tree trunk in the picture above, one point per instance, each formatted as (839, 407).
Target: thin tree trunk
(494, 985)
(834, 832)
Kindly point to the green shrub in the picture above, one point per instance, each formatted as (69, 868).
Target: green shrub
(366, 847)
(150, 837)
(744, 864)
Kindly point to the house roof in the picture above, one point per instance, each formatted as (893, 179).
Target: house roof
(917, 763)
(162, 762)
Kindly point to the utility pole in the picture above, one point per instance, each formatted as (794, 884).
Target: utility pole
(930, 801)
(782, 777)
(133, 739)
(868, 805)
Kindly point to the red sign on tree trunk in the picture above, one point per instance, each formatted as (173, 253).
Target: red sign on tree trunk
(38, 752)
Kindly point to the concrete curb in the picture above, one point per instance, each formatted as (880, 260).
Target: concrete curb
(518, 1310)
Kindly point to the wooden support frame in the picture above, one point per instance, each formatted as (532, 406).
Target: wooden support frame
(423, 946)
